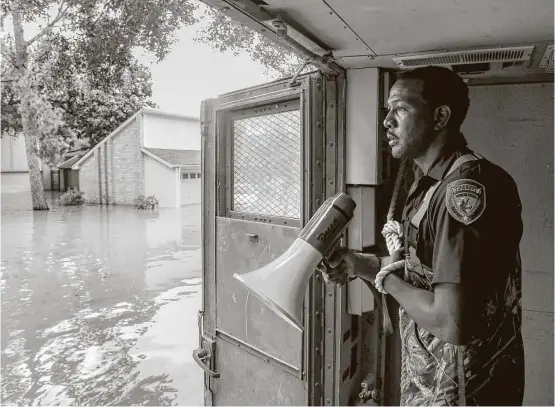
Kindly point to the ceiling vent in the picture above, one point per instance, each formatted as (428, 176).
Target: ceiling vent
(479, 56)
(547, 59)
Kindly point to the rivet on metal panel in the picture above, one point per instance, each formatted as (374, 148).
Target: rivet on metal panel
(328, 401)
(329, 330)
(330, 294)
(317, 313)
(318, 163)
(317, 384)
(318, 202)
(318, 124)
(330, 182)
(318, 277)
(330, 144)
(317, 350)
(329, 366)
(331, 104)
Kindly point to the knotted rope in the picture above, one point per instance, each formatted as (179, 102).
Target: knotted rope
(393, 234)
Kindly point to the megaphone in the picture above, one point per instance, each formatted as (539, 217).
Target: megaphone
(281, 284)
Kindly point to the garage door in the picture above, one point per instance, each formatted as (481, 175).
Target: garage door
(190, 188)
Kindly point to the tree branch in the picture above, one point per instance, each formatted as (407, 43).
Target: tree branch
(61, 14)
(8, 55)
(104, 9)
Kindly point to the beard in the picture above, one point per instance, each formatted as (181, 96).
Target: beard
(412, 143)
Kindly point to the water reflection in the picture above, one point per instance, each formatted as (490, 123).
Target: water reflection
(99, 306)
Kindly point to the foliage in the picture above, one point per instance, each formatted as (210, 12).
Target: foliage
(72, 197)
(142, 202)
(75, 78)
(81, 48)
(226, 34)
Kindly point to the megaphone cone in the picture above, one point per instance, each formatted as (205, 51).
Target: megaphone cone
(281, 285)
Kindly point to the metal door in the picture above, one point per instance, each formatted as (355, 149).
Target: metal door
(264, 178)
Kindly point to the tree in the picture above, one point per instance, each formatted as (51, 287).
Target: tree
(225, 34)
(101, 33)
(60, 83)
(93, 105)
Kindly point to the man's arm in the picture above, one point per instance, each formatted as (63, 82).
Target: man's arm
(439, 312)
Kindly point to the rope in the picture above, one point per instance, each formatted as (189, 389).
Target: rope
(392, 230)
(393, 234)
(396, 189)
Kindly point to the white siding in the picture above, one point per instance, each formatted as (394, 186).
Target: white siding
(170, 132)
(512, 125)
(13, 182)
(161, 181)
(14, 157)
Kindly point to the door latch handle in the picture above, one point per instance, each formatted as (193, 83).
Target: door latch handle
(201, 356)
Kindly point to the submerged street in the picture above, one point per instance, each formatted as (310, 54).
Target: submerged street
(99, 305)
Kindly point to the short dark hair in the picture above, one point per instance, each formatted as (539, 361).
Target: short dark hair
(442, 87)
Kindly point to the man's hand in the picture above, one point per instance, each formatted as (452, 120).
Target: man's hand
(343, 264)
(397, 255)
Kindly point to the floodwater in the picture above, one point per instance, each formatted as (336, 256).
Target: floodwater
(99, 305)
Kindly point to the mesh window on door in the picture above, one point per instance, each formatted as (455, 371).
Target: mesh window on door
(267, 165)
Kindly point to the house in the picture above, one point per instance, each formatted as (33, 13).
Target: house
(151, 153)
(68, 177)
(14, 168)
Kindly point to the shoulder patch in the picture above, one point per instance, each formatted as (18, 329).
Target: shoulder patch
(465, 200)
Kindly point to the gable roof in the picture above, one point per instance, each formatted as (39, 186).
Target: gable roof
(142, 110)
(174, 158)
(105, 139)
(67, 164)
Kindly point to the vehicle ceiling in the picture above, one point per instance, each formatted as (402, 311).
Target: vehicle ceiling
(369, 33)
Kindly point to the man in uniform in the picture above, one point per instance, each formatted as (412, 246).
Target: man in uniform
(459, 287)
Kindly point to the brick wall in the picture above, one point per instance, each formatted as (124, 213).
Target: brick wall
(114, 173)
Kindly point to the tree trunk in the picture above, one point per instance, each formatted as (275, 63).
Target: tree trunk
(27, 120)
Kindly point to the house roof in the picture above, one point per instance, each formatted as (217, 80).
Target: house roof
(175, 158)
(69, 163)
(167, 114)
(143, 110)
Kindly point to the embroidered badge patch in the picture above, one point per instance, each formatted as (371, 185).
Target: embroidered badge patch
(465, 200)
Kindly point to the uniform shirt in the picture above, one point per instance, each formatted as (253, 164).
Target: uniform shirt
(481, 253)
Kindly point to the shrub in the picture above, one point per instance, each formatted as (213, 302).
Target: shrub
(72, 197)
(142, 202)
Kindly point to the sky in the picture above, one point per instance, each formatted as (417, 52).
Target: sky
(194, 71)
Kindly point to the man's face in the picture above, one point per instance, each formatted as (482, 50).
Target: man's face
(409, 122)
